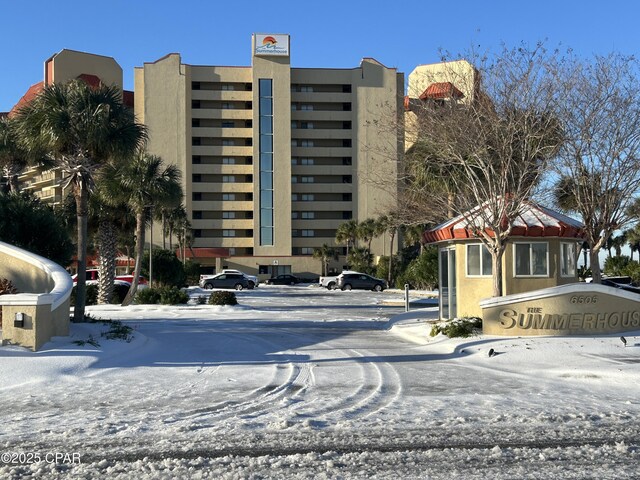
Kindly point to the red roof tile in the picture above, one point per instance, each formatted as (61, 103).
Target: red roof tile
(441, 90)
(33, 91)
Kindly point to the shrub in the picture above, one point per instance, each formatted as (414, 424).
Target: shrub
(6, 287)
(148, 296)
(167, 268)
(172, 296)
(633, 270)
(460, 327)
(615, 266)
(422, 272)
(117, 331)
(92, 295)
(223, 298)
(192, 272)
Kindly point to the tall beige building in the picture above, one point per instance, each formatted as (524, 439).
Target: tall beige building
(274, 158)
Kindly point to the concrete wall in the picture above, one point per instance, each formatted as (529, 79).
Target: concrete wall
(575, 309)
(44, 289)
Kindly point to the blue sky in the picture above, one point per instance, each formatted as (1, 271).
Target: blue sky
(330, 33)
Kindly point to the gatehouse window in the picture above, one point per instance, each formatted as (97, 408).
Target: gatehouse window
(531, 259)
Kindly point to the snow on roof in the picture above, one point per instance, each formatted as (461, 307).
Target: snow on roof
(534, 221)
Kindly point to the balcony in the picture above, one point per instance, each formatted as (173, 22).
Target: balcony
(222, 169)
(224, 114)
(218, 132)
(331, 115)
(222, 151)
(222, 95)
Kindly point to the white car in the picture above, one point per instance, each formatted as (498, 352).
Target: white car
(252, 279)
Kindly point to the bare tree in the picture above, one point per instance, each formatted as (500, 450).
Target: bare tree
(489, 152)
(599, 163)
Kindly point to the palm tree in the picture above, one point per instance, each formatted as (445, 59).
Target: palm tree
(633, 237)
(360, 259)
(14, 157)
(143, 183)
(80, 128)
(389, 223)
(325, 254)
(367, 231)
(347, 232)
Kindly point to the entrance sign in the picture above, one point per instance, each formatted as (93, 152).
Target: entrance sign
(272, 44)
(574, 309)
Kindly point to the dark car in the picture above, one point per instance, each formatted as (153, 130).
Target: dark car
(284, 279)
(227, 280)
(348, 281)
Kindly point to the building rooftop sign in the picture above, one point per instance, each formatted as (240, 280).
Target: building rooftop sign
(272, 44)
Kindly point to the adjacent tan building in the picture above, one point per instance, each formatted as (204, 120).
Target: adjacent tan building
(274, 158)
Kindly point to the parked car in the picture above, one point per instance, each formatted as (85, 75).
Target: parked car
(283, 279)
(348, 281)
(226, 280)
(93, 275)
(331, 282)
(253, 280)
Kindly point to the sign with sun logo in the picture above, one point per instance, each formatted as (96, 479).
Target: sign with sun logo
(271, 44)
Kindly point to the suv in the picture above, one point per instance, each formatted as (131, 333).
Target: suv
(226, 280)
(347, 281)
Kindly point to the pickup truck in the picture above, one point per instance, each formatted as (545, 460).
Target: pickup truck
(331, 282)
(251, 278)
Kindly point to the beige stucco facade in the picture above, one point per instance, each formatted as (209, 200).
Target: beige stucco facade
(334, 157)
(42, 302)
(470, 290)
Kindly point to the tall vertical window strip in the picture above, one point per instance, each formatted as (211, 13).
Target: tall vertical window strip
(266, 161)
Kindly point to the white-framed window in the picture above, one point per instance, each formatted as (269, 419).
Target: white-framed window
(308, 215)
(531, 259)
(228, 196)
(478, 261)
(228, 214)
(228, 233)
(568, 258)
(228, 160)
(228, 179)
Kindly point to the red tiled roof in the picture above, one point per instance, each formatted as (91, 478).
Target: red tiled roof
(534, 221)
(441, 90)
(32, 93)
(201, 252)
(91, 80)
(127, 98)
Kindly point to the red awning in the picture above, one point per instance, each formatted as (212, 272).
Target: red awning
(438, 91)
(202, 252)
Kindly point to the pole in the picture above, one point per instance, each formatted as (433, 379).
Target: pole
(406, 297)
(151, 249)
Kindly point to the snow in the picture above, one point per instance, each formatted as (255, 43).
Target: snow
(303, 382)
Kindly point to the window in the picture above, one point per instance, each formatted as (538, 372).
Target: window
(307, 233)
(306, 88)
(267, 211)
(531, 259)
(228, 160)
(227, 106)
(195, 85)
(568, 259)
(196, 177)
(196, 196)
(195, 159)
(306, 161)
(228, 233)
(478, 261)
(228, 143)
(195, 122)
(197, 233)
(197, 214)
(226, 86)
(228, 196)
(306, 251)
(228, 179)
(306, 107)
(306, 143)
(228, 214)
(232, 251)
(307, 197)
(308, 215)
(294, 125)
(294, 215)
(307, 125)
(307, 179)
(227, 124)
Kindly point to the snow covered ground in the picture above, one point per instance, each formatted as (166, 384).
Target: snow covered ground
(302, 382)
